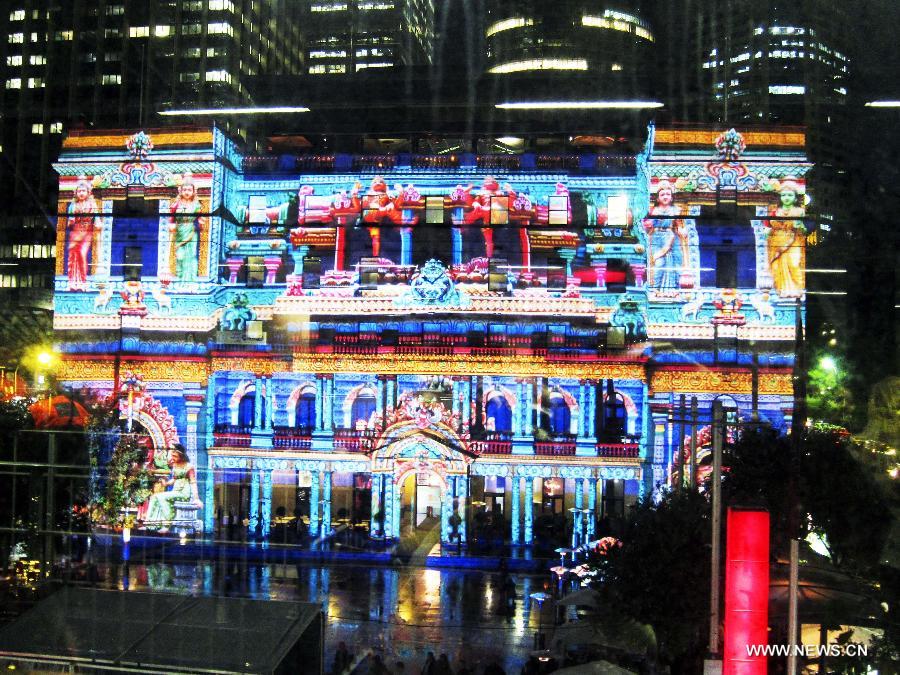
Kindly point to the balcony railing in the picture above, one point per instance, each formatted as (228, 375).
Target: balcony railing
(552, 449)
(292, 437)
(232, 435)
(354, 440)
(619, 450)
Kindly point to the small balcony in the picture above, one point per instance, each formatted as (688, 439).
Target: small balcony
(292, 438)
(630, 450)
(493, 443)
(354, 440)
(558, 445)
(232, 435)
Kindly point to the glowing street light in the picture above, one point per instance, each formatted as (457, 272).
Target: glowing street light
(828, 363)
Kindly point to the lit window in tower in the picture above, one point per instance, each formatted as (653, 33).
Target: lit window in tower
(35, 82)
(162, 31)
(221, 5)
(328, 53)
(220, 28)
(786, 89)
(63, 35)
(508, 24)
(14, 83)
(540, 64)
(139, 31)
(365, 6)
(376, 64)
(329, 7)
(17, 15)
(16, 38)
(619, 21)
(14, 60)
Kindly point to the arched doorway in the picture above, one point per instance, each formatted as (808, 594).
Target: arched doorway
(420, 480)
(420, 501)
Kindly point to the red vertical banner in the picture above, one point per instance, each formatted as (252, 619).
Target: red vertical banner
(746, 592)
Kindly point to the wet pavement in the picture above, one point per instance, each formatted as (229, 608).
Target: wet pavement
(400, 612)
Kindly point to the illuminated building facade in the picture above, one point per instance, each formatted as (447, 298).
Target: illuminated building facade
(401, 341)
(349, 36)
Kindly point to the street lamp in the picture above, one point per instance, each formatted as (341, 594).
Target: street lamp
(540, 597)
(828, 363)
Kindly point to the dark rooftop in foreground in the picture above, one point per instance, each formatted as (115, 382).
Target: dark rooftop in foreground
(121, 631)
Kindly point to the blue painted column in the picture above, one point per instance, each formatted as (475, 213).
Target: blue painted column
(391, 403)
(515, 532)
(456, 256)
(314, 521)
(406, 246)
(254, 501)
(467, 402)
(527, 409)
(582, 410)
(389, 489)
(462, 496)
(395, 510)
(446, 510)
(374, 524)
(321, 394)
(591, 431)
(266, 506)
(592, 505)
(578, 520)
(257, 404)
(517, 412)
(328, 404)
(529, 510)
(326, 503)
(379, 398)
(209, 497)
(269, 421)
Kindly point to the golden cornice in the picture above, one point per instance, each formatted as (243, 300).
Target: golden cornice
(160, 139)
(719, 381)
(707, 137)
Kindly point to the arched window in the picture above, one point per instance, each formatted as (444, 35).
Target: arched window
(498, 410)
(305, 412)
(363, 407)
(560, 417)
(247, 409)
(615, 419)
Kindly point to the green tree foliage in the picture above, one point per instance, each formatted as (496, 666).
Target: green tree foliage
(829, 397)
(839, 496)
(14, 414)
(128, 482)
(660, 576)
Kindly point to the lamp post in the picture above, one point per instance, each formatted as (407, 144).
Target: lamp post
(540, 597)
(45, 358)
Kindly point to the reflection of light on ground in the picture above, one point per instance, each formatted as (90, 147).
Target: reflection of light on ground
(432, 579)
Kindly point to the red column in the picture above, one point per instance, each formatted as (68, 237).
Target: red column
(746, 591)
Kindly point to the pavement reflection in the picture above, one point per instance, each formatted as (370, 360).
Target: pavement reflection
(400, 612)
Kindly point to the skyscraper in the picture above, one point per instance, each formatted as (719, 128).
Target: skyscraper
(579, 49)
(348, 36)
